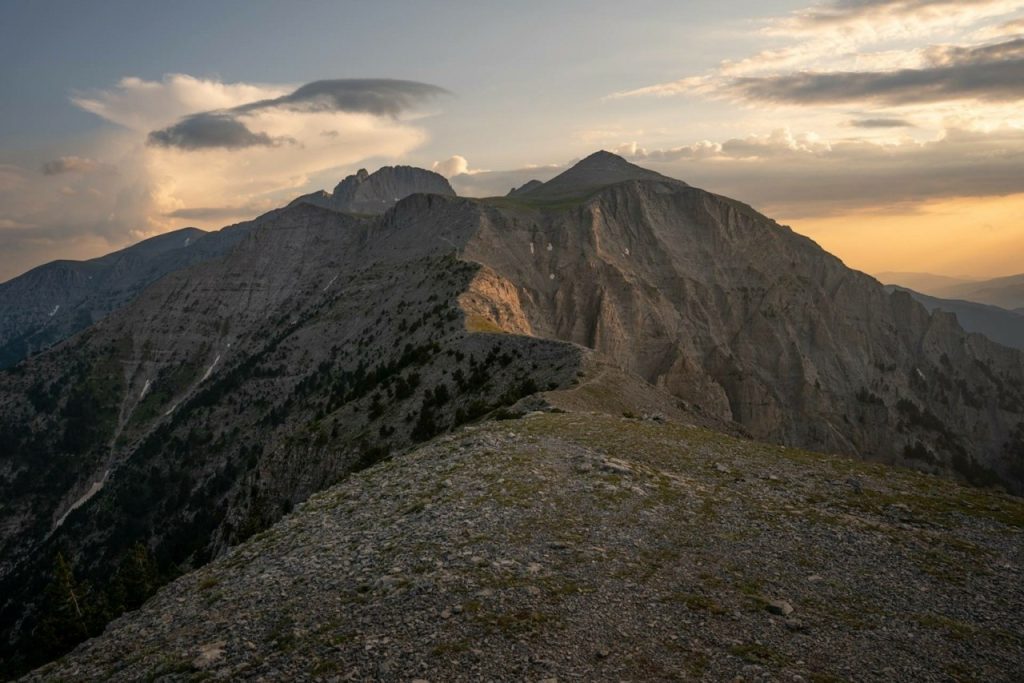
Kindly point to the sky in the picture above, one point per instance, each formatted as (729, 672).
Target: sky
(890, 131)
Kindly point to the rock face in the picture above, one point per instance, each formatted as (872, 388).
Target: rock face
(375, 193)
(597, 548)
(325, 341)
(56, 300)
(998, 324)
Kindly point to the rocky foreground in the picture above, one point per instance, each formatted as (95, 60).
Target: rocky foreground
(572, 546)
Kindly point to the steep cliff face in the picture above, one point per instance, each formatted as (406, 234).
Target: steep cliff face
(998, 324)
(52, 302)
(745, 320)
(375, 193)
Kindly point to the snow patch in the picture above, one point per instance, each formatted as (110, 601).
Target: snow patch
(627, 251)
(171, 409)
(145, 390)
(54, 311)
(531, 247)
(188, 241)
(330, 283)
(209, 370)
(550, 246)
(94, 488)
(552, 276)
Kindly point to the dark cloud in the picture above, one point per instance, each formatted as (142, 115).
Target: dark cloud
(224, 129)
(379, 96)
(881, 123)
(70, 165)
(210, 130)
(992, 73)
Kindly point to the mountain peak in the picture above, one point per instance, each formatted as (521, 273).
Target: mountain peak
(591, 173)
(376, 192)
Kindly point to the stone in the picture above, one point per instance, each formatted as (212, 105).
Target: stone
(209, 655)
(779, 607)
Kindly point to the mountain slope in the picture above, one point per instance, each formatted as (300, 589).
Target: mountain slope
(54, 301)
(744, 320)
(588, 547)
(375, 193)
(998, 324)
(324, 341)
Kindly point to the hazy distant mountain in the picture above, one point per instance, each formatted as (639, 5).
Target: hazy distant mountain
(375, 193)
(926, 283)
(998, 324)
(1005, 292)
(325, 342)
(55, 300)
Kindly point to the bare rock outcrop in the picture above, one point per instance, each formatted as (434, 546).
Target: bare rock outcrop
(375, 193)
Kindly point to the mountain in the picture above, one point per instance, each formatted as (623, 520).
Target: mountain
(591, 547)
(524, 188)
(998, 324)
(926, 283)
(53, 301)
(325, 343)
(596, 171)
(1005, 292)
(375, 193)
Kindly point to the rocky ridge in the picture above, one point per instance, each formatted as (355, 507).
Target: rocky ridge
(54, 301)
(589, 547)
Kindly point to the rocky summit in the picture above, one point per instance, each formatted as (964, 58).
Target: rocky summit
(375, 193)
(383, 353)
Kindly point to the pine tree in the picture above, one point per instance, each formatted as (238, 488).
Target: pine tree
(63, 614)
(136, 578)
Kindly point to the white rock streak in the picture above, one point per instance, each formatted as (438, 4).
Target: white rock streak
(94, 488)
(209, 370)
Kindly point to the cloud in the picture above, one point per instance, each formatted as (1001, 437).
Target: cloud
(143, 105)
(210, 130)
(1014, 27)
(887, 15)
(226, 128)
(802, 174)
(989, 73)
(216, 213)
(219, 152)
(377, 96)
(881, 123)
(825, 59)
(454, 166)
(70, 164)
